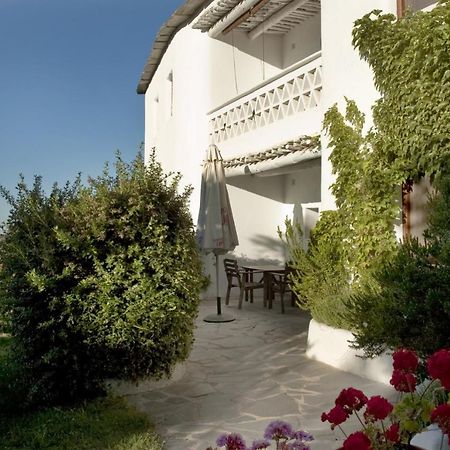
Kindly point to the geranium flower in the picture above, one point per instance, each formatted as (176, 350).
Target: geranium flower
(357, 441)
(335, 416)
(377, 408)
(405, 360)
(403, 381)
(232, 441)
(441, 416)
(439, 367)
(392, 434)
(278, 430)
(351, 399)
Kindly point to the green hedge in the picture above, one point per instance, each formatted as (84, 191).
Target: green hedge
(100, 281)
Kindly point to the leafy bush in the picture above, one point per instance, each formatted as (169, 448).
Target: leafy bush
(319, 279)
(100, 281)
(12, 379)
(34, 284)
(408, 303)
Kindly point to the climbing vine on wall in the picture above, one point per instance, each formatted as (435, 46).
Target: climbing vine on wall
(410, 59)
(365, 192)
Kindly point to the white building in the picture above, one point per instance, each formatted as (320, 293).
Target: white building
(255, 77)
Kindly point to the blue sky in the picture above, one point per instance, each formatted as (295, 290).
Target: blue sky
(68, 76)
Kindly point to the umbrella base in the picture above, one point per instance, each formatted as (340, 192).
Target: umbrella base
(218, 318)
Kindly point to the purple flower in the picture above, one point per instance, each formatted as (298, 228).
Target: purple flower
(298, 445)
(232, 441)
(260, 444)
(278, 430)
(221, 440)
(302, 436)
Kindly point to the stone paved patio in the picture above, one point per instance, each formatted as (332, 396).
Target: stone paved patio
(243, 374)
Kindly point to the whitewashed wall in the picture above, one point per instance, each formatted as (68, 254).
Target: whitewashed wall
(181, 139)
(246, 61)
(302, 41)
(205, 73)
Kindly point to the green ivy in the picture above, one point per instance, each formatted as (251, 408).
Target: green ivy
(365, 192)
(410, 59)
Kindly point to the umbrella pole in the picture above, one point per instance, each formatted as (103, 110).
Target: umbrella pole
(219, 317)
(219, 306)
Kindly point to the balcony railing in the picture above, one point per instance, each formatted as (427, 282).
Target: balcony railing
(296, 89)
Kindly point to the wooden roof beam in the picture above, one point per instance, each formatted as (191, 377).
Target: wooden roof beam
(236, 16)
(275, 18)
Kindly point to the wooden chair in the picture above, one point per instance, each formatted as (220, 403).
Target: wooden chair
(243, 280)
(281, 283)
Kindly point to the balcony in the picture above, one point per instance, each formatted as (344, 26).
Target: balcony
(295, 90)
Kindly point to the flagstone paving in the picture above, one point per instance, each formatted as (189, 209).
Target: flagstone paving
(243, 374)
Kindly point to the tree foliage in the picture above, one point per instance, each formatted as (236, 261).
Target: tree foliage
(100, 281)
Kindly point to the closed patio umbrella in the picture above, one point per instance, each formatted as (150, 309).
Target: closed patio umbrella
(216, 232)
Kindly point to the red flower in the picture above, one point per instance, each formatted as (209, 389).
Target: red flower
(439, 367)
(335, 416)
(405, 360)
(351, 399)
(403, 382)
(357, 441)
(393, 433)
(378, 408)
(441, 416)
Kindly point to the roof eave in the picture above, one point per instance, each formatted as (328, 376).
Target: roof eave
(178, 20)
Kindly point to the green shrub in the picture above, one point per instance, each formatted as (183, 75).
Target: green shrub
(408, 302)
(13, 384)
(100, 281)
(143, 276)
(319, 279)
(34, 284)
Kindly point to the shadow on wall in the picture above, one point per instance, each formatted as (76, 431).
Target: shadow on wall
(267, 49)
(269, 187)
(264, 242)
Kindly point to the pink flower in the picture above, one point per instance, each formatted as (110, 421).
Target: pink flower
(441, 416)
(393, 433)
(377, 408)
(439, 367)
(335, 416)
(351, 399)
(403, 381)
(357, 441)
(405, 360)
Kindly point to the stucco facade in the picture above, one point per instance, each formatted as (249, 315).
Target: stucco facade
(248, 95)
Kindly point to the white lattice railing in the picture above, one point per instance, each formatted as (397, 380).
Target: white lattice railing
(295, 90)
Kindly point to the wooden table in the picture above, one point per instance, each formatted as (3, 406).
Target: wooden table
(266, 270)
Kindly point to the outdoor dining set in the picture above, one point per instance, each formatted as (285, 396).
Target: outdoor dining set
(272, 279)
